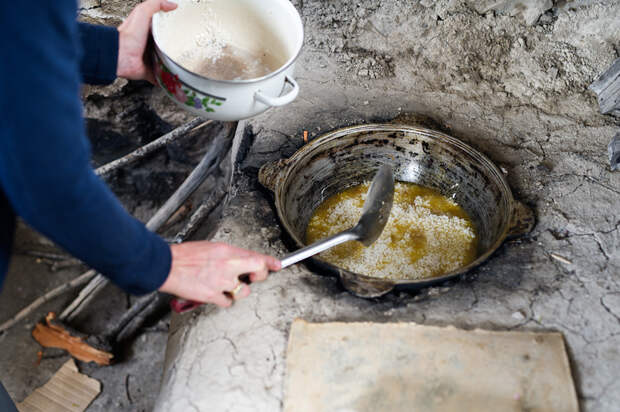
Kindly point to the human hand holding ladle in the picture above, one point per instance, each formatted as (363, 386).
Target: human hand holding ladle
(375, 214)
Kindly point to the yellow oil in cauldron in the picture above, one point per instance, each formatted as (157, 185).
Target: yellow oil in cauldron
(426, 235)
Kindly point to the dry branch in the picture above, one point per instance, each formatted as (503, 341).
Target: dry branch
(84, 297)
(98, 282)
(83, 278)
(46, 255)
(151, 147)
(200, 214)
(209, 162)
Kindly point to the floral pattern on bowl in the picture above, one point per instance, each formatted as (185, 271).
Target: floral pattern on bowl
(182, 93)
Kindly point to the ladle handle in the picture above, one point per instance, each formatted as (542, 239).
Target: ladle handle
(181, 305)
(318, 247)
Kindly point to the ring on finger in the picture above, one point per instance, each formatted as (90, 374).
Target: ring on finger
(236, 290)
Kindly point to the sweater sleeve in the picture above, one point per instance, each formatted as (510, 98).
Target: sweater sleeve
(99, 46)
(45, 167)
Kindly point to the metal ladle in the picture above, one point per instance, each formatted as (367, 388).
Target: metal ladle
(375, 214)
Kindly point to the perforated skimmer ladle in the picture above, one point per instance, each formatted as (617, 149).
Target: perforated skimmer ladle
(375, 214)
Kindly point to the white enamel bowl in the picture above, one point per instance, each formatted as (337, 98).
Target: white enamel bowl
(273, 26)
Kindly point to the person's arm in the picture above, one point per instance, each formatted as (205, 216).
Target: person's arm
(45, 171)
(44, 155)
(99, 53)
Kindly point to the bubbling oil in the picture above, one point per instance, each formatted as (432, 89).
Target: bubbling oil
(427, 234)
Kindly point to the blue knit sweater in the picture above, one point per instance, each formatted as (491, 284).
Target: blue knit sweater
(45, 172)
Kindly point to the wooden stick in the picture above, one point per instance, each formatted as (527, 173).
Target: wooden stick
(204, 210)
(156, 303)
(126, 318)
(560, 259)
(209, 161)
(83, 278)
(46, 255)
(61, 264)
(148, 305)
(83, 298)
(97, 280)
(154, 145)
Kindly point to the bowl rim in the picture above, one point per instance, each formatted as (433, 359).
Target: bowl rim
(281, 69)
(377, 127)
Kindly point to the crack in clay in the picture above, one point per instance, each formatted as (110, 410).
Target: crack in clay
(606, 232)
(611, 312)
(475, 300)
(605, 339)
(603, 185)
(600, 246)
(556, 325)
(274, 365)
(579, 186)
(605, 389)
(480, 303)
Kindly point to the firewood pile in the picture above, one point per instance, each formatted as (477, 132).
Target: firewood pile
(199, 151)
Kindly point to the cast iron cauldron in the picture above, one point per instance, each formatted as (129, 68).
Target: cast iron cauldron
(350, 156)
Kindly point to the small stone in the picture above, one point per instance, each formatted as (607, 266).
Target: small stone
(363, 73)
(518, 315)
(366, 102)
(553, 72)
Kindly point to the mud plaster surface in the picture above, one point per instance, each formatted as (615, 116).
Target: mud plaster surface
(514, 91)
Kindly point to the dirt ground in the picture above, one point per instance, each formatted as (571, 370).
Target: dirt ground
(510, 85)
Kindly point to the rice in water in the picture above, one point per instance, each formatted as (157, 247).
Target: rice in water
(212, 51)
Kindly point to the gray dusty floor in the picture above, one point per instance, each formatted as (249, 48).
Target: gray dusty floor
(130, 385)
(517, 92)
(130, 115)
